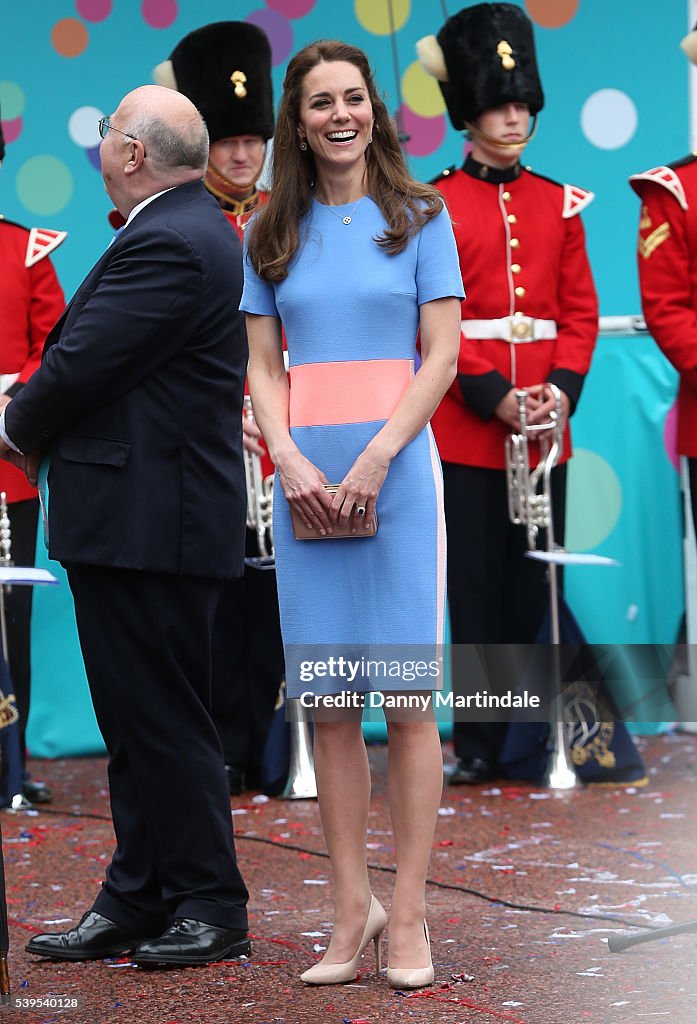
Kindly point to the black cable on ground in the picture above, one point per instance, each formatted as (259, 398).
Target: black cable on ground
(386, 869)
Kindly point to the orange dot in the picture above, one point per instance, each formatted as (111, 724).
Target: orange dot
(69, 37)
(552, 13)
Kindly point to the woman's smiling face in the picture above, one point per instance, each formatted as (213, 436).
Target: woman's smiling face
(336, 115)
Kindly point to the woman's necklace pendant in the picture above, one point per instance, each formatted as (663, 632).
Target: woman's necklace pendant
(346, 219)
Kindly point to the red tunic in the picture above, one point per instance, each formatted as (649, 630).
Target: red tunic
(668, 278)
(31, 300)
(522, 250)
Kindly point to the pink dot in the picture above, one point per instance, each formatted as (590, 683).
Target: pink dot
(426, 133)
(93, 10)
(670, 434)
(159, 13)
(279, 31)
(12, 129)
(291, 8)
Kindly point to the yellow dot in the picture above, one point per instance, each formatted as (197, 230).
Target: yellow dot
(374, 15)
(422, 92)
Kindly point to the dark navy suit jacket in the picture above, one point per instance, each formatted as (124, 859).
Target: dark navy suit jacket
(138, 399)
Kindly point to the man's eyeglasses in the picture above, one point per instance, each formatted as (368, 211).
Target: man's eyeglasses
(105, 126)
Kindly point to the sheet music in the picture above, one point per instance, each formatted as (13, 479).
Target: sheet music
(26, 574)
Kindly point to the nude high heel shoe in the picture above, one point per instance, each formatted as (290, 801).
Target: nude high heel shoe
(412, 977)
(337, 974)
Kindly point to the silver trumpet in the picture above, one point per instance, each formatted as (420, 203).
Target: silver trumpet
(259, 498)
(530, 505)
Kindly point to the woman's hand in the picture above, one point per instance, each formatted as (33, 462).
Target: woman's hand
(360, 488)
(303, 486)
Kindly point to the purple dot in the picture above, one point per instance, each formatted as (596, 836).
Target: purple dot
(427, 133)
(93, 157)
(279, 31)
(291, 8)
(159, 13)
(12, 129)
(93, 10)
(670, 436)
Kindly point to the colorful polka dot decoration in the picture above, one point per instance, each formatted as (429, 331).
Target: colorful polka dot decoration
(609, 118)
(551, 13)
(382, 17)
(291, 8)
(594, 504)
(44, 185)
(94, 10)
(279, 31)
(69, 37)
(159, 13)
(670, 437)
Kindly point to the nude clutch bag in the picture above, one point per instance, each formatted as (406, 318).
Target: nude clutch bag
(301, 532)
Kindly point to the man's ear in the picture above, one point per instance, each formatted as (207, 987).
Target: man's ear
(136, 158)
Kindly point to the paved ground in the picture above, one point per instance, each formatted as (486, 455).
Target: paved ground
(525, 889)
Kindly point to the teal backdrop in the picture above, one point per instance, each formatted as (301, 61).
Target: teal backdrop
(616, 89)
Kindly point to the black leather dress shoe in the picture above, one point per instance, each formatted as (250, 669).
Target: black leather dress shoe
(470, 771)
(36, 792)
(94, 938)
(189, 943)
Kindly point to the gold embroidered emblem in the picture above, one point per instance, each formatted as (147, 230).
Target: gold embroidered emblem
(238, 79)
(648, 245)
(644, 219)
(504, 51)
(589, 725)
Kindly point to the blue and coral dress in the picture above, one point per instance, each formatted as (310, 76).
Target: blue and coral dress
(351, 317)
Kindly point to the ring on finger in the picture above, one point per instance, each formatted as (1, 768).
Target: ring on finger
(360, 510)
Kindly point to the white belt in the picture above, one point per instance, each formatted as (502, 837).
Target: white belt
(516, 329)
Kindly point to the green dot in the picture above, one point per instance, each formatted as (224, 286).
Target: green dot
(594, 501)
(11, 101)
(44, 184)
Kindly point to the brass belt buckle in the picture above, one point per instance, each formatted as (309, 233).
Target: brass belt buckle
(522, 330)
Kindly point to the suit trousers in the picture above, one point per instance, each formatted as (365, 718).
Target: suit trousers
(146, 643)
(495, 594)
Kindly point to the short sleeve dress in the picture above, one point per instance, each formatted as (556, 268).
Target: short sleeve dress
(351, 314)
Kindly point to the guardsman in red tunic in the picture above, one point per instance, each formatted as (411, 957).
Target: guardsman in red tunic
(225, 69)
(31, 300)
(530, 319)
(667, 256)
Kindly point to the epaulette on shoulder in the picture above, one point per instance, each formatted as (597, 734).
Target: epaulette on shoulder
(40, 241)
(665, 176)
(575, 198)
(443, 174)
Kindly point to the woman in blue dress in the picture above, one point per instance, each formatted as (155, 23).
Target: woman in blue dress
(354, 259)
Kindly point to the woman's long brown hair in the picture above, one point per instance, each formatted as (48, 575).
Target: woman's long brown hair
(405, 204)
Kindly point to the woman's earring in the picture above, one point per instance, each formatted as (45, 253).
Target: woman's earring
(303, 145)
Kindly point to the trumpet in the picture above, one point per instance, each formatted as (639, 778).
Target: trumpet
(259, 498)
(530, 505)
